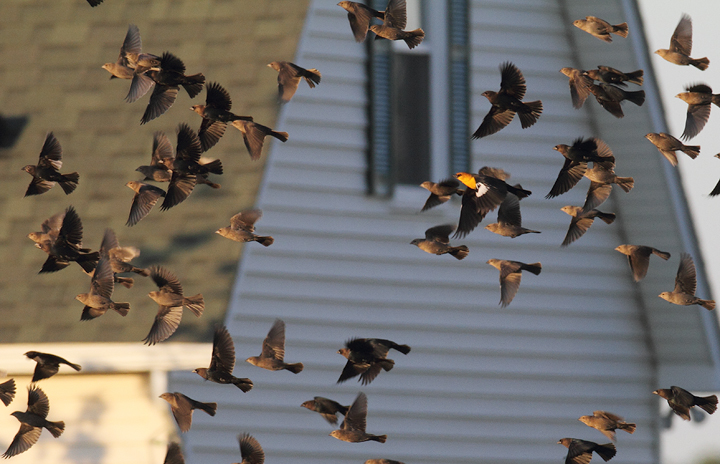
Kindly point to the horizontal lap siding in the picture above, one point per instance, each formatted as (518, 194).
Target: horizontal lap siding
(482, 383)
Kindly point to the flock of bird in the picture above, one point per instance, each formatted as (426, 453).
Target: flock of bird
(61, 235)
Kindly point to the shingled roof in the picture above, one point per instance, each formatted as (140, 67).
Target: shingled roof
(51, 72)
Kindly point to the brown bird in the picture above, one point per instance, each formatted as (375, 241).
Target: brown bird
(170, 300)
(486, 191)
(507, 102)
(610, 97)
(668, 145)
(242, 226)
(174, 454)
(120, 258)
(273, 351)
(600, 28)
(222, 362)
(577, 156)
(440, 192)
(48, 365)
(366, 357)
(509, 222)
(250, 450)
(437, 242)
(685, 285)
(352, 430)
(610, 75)
(601, 180)
(326, 408)
(510, 274)
(289, 75)
(61, 239)
(132, 63)
(681, 46)
(582, 220)
(216, 115)
(182, 408)
(607, 423)
(681, 400)
(146, 196)
(47, 173)
(162, 156)
(32, 421)
(698, 97)
(167, 84)
(7, 391)
(359, 16)
(579, 85)
(394, 23)
(639, 258)
(99, 299)
(580, 451)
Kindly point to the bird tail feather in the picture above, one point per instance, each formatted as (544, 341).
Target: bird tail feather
(663, 254)
(379, 438)
(264, 240)
(243, 384)
(312, 77)
(629, 428)
(56, 428)
(404, 349)
(459, 252)
(193, 84)
(707, 403)
(121, 308)
(69, 182)
(196, 304)
(700, 63)
(693, 151)
(126, 282)
(606, 451)
(530, 114)
(295, 368)
(88, 261)
(608, 218)
(535, 268)
(708, 304)
(415, 38)
(625, 183)
(214, 167)
(209, 408)
(636, 77)
(518, 191)
(620, 29)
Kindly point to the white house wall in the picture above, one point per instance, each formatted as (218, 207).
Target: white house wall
(482, 383)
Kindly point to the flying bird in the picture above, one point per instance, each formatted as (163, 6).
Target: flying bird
(242, 228)
(174, 454)
(580, 451)
(7, 391)
(170, 300)
(289, 75)
(216, 116)
(222, 362)
(99, 299)
(47, 171)
(582, 220)
(61, 239)
(685, 285)
(681, 46)
(360, 15)
(440, 192)
(182, 408)
(366, 357)
(486, 191)
(509, 221)
(326, 408)
(507, 102)
(394, 23)
(681, 400)
(437, 242)
(601, 181)
(32, 421)
(577, 156)
(162, 156)
(250, 450)
(579, 84)
(610, 75)
(167, 84)
(698, 97)
(352, 429)
(600, 28)
(607, 423)
(273, 351)
(48, 365)
(133, 64)
(668, 145)
(639, 258)
(510, 274)
(610, 97)
(716, 190)
(145, 198)
(120, 258)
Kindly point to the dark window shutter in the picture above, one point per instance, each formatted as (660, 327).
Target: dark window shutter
(459, 53)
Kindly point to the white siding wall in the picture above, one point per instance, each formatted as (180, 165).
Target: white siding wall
(482, 383)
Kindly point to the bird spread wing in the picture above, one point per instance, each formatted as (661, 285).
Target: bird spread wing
(355, 419)
(223, 356)
(51, 153)
(681, 40)
(274, 343)
(686, 279)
